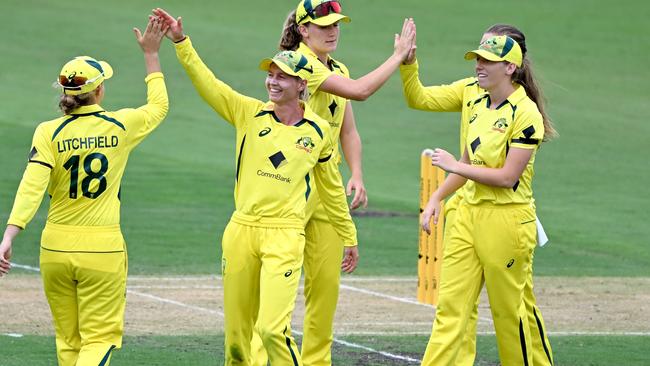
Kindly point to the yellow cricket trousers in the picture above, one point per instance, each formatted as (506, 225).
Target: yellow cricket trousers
(86, 292)
(493, 245)
(261, 265)
(323, 256)
(322, 266)
(541, 347)
(542, 352)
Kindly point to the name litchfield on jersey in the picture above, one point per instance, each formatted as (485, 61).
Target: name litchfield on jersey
(78, 143)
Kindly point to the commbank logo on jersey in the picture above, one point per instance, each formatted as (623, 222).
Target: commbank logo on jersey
(305, 143)
(264, 132)
(500, 125)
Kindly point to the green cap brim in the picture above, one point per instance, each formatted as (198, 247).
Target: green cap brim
(265, 65)
(108, 70)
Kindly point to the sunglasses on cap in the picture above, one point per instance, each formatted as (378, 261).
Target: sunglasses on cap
(321, 10)
(74, 82)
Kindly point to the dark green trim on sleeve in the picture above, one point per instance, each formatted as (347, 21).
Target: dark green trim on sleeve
(42, 163)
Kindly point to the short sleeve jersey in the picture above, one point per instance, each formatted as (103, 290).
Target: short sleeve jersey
(328, 106)
(86, 153)
(491, 133)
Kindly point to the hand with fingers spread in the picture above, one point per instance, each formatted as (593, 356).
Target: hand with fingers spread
(404, 42)
(153, 35)
(444, 160)
(175, 30)
(350, 259)
(360, 195)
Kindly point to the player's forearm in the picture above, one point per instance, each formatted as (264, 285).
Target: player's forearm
(450, 185)
(11, 232)
(29, 195)
(362, 88)
(504, 177)
(152, 62)
(412, 86)
(332, 195)
(157, 101)
(351, 143)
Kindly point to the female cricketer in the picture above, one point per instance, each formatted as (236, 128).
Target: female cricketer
(312, 29)
(449, 98)
(493, 233)
(278, 144)
(81, 157)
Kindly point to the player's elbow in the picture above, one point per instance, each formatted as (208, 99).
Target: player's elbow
(360, 95)
(508, 180)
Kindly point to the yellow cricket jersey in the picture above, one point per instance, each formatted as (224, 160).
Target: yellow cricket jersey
(82, 157)
(516, 123)
(454, 97)
(329, 106)
(273, 160)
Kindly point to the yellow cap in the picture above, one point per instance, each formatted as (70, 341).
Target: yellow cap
(83, 74)
(291, 62)
(320, 12)
(498, 48)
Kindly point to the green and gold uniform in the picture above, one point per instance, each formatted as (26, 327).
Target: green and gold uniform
(264, 241)
(323, 248)
(458, 96)
(82, 157)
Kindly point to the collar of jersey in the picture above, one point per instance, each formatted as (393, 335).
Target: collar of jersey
(517, 96)
(87, 109)
(307, 116)
(305, 50)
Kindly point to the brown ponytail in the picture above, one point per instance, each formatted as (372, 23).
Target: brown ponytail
(524, 76)
(68, 103)
(291, 37)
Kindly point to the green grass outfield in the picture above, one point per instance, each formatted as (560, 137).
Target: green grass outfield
(208, 350)
(590, 184)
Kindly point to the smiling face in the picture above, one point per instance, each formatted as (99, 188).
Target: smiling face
(321, 39)
(282, 87)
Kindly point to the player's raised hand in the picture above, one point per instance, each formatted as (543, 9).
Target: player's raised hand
(153, 34)
(350, 259)
(360, 195)
(404, 42)
(410, 58)
(175, 31)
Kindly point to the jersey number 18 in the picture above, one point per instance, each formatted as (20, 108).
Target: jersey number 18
(73, 166)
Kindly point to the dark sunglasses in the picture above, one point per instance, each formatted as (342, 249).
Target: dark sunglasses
(323, 9)
(74, 82)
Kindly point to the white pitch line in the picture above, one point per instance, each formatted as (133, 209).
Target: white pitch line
(177, 303)
(13, 335)
(378, 279)
(172, 287)
(336, 340)
(400, 299)
(22, 266)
